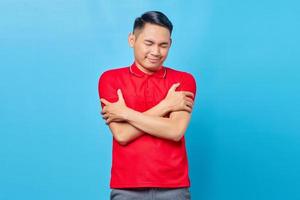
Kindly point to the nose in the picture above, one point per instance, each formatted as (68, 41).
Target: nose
(155, 51)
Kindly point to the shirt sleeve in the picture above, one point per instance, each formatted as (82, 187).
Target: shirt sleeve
(188, 83)
(107, 87)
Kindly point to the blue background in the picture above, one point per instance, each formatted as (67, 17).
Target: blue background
(243, 140)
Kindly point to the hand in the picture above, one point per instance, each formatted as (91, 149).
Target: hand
(114, 112)
(178, 100)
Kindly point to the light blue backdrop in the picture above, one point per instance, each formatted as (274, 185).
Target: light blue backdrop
(243, 141)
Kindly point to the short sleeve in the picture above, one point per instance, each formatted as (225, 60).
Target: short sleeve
(188, 83)
(107, 87)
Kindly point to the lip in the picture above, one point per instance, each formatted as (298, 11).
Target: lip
(153, 60)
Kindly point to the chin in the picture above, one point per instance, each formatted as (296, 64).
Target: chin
(153, 67)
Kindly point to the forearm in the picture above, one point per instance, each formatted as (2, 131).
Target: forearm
(167, 128)
(124, 132)
(178, 104)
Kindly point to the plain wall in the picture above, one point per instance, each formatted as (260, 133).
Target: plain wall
(243, 140)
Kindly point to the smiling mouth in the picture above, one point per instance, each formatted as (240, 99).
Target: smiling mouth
(153, 60)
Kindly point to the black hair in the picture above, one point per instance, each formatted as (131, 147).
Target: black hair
(153, 17)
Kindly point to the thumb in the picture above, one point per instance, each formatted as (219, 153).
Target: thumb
(174, 86)
(120, 95)
(104, 101)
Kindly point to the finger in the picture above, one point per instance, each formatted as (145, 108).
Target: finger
(104, 101)
(105, 116)
(189, 99)
(189, 104)
(108, 121)
(188, 109)
(174, 86)
(120, 95)
(188, 94)
(103, 110)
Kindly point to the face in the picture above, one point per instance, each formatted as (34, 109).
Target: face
(151, 46)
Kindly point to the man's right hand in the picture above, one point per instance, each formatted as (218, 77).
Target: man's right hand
(178, 100)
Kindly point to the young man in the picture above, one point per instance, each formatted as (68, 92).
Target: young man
(148, 107)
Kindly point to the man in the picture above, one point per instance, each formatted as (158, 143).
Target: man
(148, 107)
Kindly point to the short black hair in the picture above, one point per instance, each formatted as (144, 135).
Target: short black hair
(153, 17)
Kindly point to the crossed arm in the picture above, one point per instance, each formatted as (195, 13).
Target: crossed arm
(127, 124)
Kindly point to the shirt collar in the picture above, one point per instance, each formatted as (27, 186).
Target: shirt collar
(161, 73)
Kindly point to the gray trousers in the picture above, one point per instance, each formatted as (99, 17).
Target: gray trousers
(151, 194)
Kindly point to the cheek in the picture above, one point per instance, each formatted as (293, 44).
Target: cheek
(143, 51)
(164, 52)
(139, 52)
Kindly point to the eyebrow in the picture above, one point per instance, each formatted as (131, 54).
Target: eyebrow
(163, 43)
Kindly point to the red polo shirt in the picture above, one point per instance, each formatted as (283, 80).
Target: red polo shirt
(147, 161)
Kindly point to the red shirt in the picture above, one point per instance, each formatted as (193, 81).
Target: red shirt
(147, 161)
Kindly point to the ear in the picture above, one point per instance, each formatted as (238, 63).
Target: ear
(131, 39)
(170, 42)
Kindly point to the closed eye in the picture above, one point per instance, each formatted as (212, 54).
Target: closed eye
(148, 43)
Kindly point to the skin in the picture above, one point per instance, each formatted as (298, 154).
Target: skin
(151, 45)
